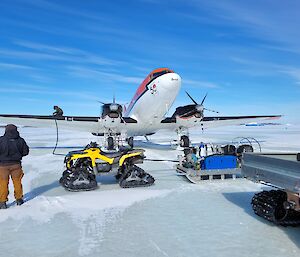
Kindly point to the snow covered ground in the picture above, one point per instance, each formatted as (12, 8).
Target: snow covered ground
(171, 218)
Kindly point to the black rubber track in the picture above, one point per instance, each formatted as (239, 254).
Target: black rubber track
(269, 205)
(78, 180)
(136, 177)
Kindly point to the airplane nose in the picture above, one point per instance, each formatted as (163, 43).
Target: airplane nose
(170, 82)
(176, 80)
(175, 77)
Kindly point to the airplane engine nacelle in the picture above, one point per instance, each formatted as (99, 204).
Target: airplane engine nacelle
(112, 110)
(111, 115)
(188, 111)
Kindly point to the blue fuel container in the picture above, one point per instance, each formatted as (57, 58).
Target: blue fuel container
(215, 162)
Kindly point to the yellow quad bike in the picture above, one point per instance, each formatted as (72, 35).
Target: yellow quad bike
(83, 166)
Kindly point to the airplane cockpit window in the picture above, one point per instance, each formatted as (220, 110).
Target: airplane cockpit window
(157, 74)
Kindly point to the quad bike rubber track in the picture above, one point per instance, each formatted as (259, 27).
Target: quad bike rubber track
(79, 179)
(135, 176)
(270, 205)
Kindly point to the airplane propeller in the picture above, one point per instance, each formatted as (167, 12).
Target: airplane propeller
(101, 102)
(200, 106)
(113, 108)
(196, 108)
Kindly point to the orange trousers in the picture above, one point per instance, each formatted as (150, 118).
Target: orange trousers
(16, 173)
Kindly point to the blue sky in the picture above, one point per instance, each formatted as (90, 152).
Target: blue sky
(245, 54)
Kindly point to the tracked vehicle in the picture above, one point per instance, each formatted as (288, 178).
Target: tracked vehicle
(83, 166)
(281, 171)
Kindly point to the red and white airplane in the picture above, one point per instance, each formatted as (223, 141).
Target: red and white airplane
(145, 115)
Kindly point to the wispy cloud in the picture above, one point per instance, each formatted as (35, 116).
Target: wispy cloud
(67, 103)
(281, 48)
(40, 51)
(48, 48)
(200, 84)
(99, 75)
(293, 72)
(44, 91)
(63, 9)
(27, 71)
(262, 68)
(92, 66)
(32, 55)
(7, 87)
(268, 20)
(15, 66)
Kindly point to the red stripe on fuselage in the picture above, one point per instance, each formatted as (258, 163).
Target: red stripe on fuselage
(140, 91)
(143, 87)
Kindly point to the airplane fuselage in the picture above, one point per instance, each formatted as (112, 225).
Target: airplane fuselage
(152, 100)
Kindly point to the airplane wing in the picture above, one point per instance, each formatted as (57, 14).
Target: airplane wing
(192, 115)
(67, 122)
(99, 126)
(212, 122)
(77, 123)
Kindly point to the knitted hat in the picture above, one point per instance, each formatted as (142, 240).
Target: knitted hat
(10, 127)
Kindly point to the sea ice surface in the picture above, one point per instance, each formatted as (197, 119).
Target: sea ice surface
(170, 218)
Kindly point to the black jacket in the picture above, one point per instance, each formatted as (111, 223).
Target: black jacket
(12, 148)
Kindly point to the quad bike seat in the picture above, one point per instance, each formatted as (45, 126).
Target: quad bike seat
(112, 154)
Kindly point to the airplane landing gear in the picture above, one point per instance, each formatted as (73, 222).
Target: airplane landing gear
(183, 137)
(110, 143)
(184, 141)
(130, 141)
(114, 141)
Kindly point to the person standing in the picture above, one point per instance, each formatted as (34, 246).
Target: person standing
(202, 150)
(12, 149)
